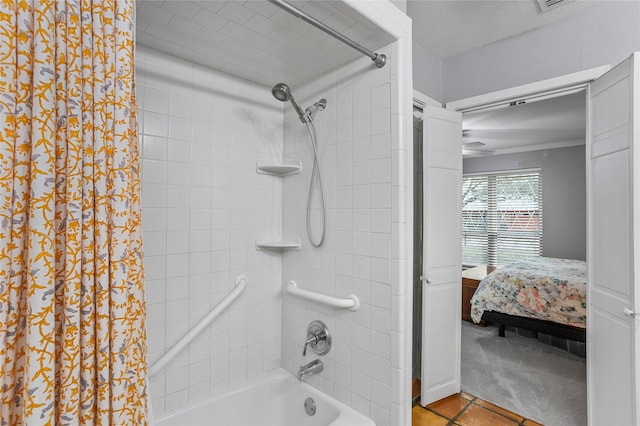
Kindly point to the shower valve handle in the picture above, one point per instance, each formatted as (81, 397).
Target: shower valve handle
(311, 340)
(318, 338)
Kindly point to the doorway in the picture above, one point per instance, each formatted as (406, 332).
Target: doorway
(613, 225)
(569, 85)
(531, 158)
(420, 102)
(417, 250)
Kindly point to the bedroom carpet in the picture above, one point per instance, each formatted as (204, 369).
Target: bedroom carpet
(523, 375)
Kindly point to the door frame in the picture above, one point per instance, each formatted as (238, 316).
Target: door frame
(421, 102)
(536, 91)
(544, 89)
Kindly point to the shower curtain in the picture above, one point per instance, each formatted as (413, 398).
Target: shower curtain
(72, 311)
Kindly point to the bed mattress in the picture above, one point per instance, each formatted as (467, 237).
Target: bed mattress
(542, 288)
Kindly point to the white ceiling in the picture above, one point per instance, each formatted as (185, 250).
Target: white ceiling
(255, 40)
(550, 123)
(447, 28)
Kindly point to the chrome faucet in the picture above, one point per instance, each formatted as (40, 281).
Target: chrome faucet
(318, 339)
(314, 367)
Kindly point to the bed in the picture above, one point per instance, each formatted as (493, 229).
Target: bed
(542, 294)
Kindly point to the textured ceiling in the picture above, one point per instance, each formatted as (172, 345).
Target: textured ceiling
(545, 124)
(447, 28)
(254, 39)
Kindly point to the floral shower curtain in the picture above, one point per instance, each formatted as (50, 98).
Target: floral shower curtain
(72, 311)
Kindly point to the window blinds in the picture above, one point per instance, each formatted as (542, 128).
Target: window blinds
(501, 217)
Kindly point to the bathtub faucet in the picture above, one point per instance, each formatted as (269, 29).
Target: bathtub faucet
(314, 367)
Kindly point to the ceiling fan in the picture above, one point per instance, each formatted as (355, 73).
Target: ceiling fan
(474, 148)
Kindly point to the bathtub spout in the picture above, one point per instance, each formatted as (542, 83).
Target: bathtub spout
(314, 367)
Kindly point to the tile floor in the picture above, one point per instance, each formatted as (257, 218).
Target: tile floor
(464, 409)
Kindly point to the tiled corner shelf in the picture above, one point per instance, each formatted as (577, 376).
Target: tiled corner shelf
(278, 169)
(282, 244)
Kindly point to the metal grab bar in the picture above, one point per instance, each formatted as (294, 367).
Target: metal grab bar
(241, 283)
(351, 302)
(378, 58)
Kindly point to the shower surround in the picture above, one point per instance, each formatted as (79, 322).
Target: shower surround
(355, 140)
(205, 206)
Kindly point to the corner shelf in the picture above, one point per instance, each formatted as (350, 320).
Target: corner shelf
(278, 169)
(285, 243)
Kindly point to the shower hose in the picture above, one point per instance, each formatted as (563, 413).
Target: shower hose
(315, 174)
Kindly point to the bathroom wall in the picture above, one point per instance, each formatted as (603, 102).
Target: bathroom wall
(204, 206)
(427, 72)
(359, 157)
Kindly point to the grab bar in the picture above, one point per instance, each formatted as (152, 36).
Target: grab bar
(241, 283)
(351, 302)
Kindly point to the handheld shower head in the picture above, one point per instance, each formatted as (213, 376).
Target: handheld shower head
(282, 92)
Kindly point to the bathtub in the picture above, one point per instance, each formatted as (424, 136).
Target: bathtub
(276, 400)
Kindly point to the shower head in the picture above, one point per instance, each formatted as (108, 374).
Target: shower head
(282, 92)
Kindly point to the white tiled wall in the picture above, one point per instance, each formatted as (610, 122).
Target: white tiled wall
(365, 252)
(203, 208)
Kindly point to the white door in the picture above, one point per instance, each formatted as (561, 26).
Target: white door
(613, 167)
(442, 169)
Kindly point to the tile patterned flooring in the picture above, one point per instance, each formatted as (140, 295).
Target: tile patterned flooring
(464, 409)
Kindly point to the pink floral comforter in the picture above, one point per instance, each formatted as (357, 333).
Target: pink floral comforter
(544, 288)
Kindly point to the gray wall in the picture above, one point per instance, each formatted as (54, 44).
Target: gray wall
(563, 194)
(427, 69)
(427, 73)
(400, 4)
(604, 34)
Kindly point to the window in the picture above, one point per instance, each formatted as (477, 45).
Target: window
(501, 217)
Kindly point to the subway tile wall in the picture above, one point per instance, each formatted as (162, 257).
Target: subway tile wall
(364, 249)
(204, 206)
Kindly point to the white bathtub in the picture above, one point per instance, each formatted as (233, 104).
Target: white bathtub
(276, 400)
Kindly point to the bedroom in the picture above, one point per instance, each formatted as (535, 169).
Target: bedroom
(534, 158)
(546, 140)
(531, 57)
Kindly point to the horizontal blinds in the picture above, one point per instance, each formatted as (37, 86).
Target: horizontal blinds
(502, 217)
(474, 220)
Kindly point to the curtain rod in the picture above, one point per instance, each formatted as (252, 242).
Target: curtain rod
(378, 58)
